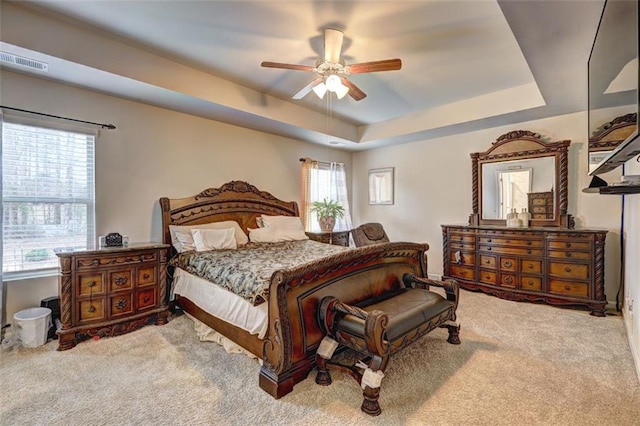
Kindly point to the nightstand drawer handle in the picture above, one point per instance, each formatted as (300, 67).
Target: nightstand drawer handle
(120, 281)
(146, 276)
(568, 254)
(567, 269)
(91, 284)
(121, 304)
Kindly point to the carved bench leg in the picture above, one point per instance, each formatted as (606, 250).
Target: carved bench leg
(454, 332)
(373, 376)
(323, 377)
(370, 403)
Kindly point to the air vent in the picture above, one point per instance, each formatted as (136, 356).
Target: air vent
(32, 64)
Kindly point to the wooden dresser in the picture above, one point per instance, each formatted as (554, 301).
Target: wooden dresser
(554, 265)
(111, 291)
(337, 238)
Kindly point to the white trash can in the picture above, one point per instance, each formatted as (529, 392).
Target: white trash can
(33, 325)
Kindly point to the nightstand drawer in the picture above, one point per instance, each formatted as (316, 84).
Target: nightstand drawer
(89, 284)
(146, 275)
(120, 280)
(121, 304)
(91, 310)
(146, 298)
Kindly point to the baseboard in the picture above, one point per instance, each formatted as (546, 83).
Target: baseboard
(635, 352)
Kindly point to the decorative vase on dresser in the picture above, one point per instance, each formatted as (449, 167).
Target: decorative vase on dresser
(550, 261)
(111, 291)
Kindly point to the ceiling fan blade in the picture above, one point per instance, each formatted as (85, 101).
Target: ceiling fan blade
(375, 66)
(332, 45)
(287, 66)
(354, 91)
(306, 89)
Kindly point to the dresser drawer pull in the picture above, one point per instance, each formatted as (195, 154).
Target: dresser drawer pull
(120, 281)
(568, 245)
(146, 299)
(91, 309)
(91, 284)
(508, 264)
(530, 282)
(489, 248)
(508, 280)
(121, 304)
(567, 269)
(146, 276)
(528, 243)
(460, 238)
(567, 287)
(530, 267)
(568, 254)
(488, 240)
(487, 262)
(528, 251)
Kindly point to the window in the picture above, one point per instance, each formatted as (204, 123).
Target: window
(48, 197)
(320, 181)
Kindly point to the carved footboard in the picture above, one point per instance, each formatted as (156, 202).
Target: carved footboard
(352, 276)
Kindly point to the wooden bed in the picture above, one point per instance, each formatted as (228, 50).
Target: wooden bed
(289, 347)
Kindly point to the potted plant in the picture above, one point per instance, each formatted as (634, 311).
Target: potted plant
(327, 212)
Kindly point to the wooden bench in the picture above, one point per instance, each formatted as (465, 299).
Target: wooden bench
(380, 327)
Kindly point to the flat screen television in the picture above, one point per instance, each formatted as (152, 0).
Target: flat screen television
(613, 76)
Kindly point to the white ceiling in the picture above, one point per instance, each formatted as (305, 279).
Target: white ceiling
(466, 64)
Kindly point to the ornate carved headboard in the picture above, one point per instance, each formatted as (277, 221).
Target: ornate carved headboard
(235, 200)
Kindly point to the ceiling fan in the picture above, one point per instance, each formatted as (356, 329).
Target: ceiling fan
(332, 71)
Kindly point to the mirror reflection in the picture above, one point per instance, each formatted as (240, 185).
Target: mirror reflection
(518, 184)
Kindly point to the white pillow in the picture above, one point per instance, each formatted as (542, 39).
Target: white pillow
(274, 235)
(182, 239)
(214, 239)
(282, 222)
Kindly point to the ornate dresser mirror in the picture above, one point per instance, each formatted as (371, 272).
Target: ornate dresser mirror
(608, 136)
(521, 171)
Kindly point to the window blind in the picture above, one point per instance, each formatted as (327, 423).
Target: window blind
(48, 196)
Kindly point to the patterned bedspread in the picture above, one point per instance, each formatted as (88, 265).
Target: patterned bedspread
(246, 271)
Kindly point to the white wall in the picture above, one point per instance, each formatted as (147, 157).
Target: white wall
(154, 153)
(632, 265)
(433, 187)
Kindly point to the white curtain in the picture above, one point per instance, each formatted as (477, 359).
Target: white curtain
(320, 181)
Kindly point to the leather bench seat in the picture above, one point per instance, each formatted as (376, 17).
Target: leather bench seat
(407, 309)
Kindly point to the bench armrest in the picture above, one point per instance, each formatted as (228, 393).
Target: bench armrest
(451, 287)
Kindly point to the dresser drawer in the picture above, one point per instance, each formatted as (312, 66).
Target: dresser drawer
(91, 310)
(89, 284)
(462, 246)
(488, 277)
(566, 244)
(488, 262)
(569, 288)
(566, 254)
(539, 201)
(569, 270)
(512, 241)
(530, 283)
(508, 264)
(120, 280)
(531, 266)
(146, 275)
(462, 238)
(512, 250)
(462, 258)
(462, 272)
(121, 304)
(508, 280)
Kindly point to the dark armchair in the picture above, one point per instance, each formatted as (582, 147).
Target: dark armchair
(369, 233)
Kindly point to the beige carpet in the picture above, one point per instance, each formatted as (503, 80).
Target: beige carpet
(519, 363)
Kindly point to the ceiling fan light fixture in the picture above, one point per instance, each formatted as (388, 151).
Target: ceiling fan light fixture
(333, 83)
(320, 90)
(341, 91)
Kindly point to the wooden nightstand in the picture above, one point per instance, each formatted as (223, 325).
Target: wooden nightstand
(337, 238)
(111, 291)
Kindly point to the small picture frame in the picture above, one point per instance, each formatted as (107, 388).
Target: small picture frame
(381, 186)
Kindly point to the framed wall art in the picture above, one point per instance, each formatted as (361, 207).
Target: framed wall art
(381, 186)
